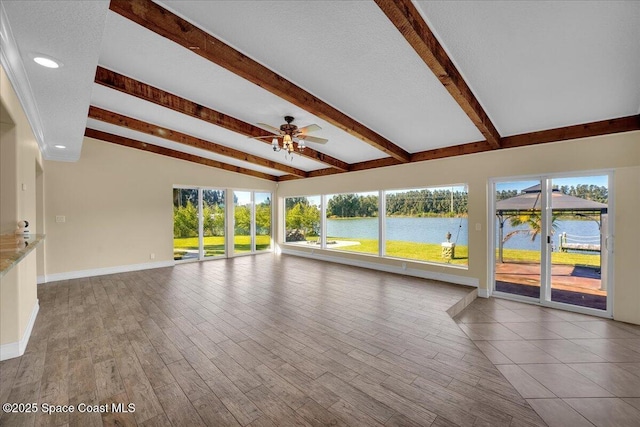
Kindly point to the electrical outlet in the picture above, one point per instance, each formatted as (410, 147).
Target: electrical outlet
(478, 226)
(152, 256)
(61, 218)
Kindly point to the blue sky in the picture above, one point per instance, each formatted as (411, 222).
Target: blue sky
(244, 197)
(599, 180)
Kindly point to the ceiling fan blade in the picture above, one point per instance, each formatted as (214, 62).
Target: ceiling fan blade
(310, 128)
(264, 136)
(314, 139)
(269, 128)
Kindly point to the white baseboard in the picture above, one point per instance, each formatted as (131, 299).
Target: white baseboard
(16, 349)
(483, 293)
(103, 271)
(414, 272)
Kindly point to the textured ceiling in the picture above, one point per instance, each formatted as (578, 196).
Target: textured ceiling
(540, 65)
(531, 66)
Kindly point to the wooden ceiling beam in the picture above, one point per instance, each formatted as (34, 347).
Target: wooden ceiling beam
(456, 150)
(182, 138)
(326, 172)
(150, 148)
(404, 15)
(133, 87)
(161, 21)
(289, 177)
(372, 164)
(584, 130)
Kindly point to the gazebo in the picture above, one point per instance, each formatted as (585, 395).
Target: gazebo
(529, 202)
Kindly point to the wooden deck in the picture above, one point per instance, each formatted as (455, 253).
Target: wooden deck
(566, 277)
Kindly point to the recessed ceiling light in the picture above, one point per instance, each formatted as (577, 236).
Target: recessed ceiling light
(46, 62)
(62, 147)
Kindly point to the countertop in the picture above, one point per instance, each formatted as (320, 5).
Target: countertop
(13, 248)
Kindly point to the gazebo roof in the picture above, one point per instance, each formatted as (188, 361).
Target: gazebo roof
(529, 200)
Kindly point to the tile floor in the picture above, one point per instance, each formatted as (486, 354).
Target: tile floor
(572, 369)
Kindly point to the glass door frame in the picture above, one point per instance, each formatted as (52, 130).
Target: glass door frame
(545, 263)
(200, 208)
(230, 225)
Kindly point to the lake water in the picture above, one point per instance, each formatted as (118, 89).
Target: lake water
(434, 230)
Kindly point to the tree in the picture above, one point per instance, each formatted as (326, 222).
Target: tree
(534, 221)
(185, 221)
(292, 201)
(213, 216)
(263, 217)
(304, 217)
(242, 217)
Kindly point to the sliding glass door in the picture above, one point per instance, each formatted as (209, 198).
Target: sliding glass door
(186, 225)
(518, 223)
(551, 241)
(242, 222)
(198, 223)
(263, 220)
(579, 213)
(251, 222)
(213, 223)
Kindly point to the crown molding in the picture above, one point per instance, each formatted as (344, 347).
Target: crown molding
(13, 65)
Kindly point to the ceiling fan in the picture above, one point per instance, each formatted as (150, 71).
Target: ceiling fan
(291, 133)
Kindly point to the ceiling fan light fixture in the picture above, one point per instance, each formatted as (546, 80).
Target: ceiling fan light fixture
(288, 143)
(293, 138)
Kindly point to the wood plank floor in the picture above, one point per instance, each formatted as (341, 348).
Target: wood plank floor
(263, 340)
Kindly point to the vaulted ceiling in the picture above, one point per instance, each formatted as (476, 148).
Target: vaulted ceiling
(388, 81)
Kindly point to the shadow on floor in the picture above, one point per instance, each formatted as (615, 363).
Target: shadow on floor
(598, 302)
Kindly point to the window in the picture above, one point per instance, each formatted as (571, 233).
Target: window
(302, 220)
(352, 222)
(421, 223)
(425, 224)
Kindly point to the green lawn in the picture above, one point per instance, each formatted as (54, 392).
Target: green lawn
(214, 245)
(432, 252)
(398, 249)
(410, 250)
(520, 255)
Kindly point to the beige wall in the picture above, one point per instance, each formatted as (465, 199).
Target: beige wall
(627, 245)
(118, 205)
(620, 153)
(20, 156)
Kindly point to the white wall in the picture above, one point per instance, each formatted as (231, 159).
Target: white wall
(620, 153)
